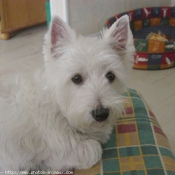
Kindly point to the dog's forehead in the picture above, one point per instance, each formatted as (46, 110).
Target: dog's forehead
(92, 50)
(92, 54)
(91, 44)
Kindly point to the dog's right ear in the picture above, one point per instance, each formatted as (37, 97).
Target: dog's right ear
(60, 31)
(58, 36)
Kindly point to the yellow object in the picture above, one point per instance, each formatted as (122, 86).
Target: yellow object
(155, 36)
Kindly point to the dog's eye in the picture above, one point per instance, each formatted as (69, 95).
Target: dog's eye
(77, 79)
(110, 76)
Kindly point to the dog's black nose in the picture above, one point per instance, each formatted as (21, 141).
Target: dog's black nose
(100, 114)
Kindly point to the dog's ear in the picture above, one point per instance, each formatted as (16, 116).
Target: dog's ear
(120, 34)
(58, 36)
(60, 31)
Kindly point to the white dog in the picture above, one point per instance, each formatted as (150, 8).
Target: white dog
(57, 119)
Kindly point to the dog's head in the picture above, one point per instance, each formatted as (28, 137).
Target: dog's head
(88, 75)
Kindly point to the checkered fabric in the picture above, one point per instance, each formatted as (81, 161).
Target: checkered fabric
(137, 145)
(151, 54)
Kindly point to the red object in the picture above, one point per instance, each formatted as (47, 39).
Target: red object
(126, 128)
(159, 131)
(129, 110)
(146, 13)
(131, 15)
(165, 12)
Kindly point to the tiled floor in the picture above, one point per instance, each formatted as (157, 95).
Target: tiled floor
(157, 87)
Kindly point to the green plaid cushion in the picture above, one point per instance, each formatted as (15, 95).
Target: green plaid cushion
(137, 145)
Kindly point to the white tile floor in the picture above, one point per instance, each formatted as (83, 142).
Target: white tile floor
(157, 87)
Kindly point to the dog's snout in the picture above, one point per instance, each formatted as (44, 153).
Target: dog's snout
(100, 114)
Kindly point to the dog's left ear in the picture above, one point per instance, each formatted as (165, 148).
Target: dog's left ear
(120, 34)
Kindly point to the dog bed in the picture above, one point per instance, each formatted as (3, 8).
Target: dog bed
(152, 53)
(137, 145)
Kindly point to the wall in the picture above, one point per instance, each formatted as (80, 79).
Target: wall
(172, 2)
(89, 16)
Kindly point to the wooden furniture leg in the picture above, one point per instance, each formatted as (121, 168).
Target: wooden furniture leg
(4, 36)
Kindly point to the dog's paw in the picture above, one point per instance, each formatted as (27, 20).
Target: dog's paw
(90, 152)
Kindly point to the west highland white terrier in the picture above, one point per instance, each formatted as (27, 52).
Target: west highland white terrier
(58, 119)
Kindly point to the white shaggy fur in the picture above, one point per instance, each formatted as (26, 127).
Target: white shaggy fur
(46, 120)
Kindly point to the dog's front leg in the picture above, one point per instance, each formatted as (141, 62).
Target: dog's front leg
(87, 154)
(82, 154)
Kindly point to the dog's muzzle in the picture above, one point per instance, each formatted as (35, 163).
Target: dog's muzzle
(100, 114)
